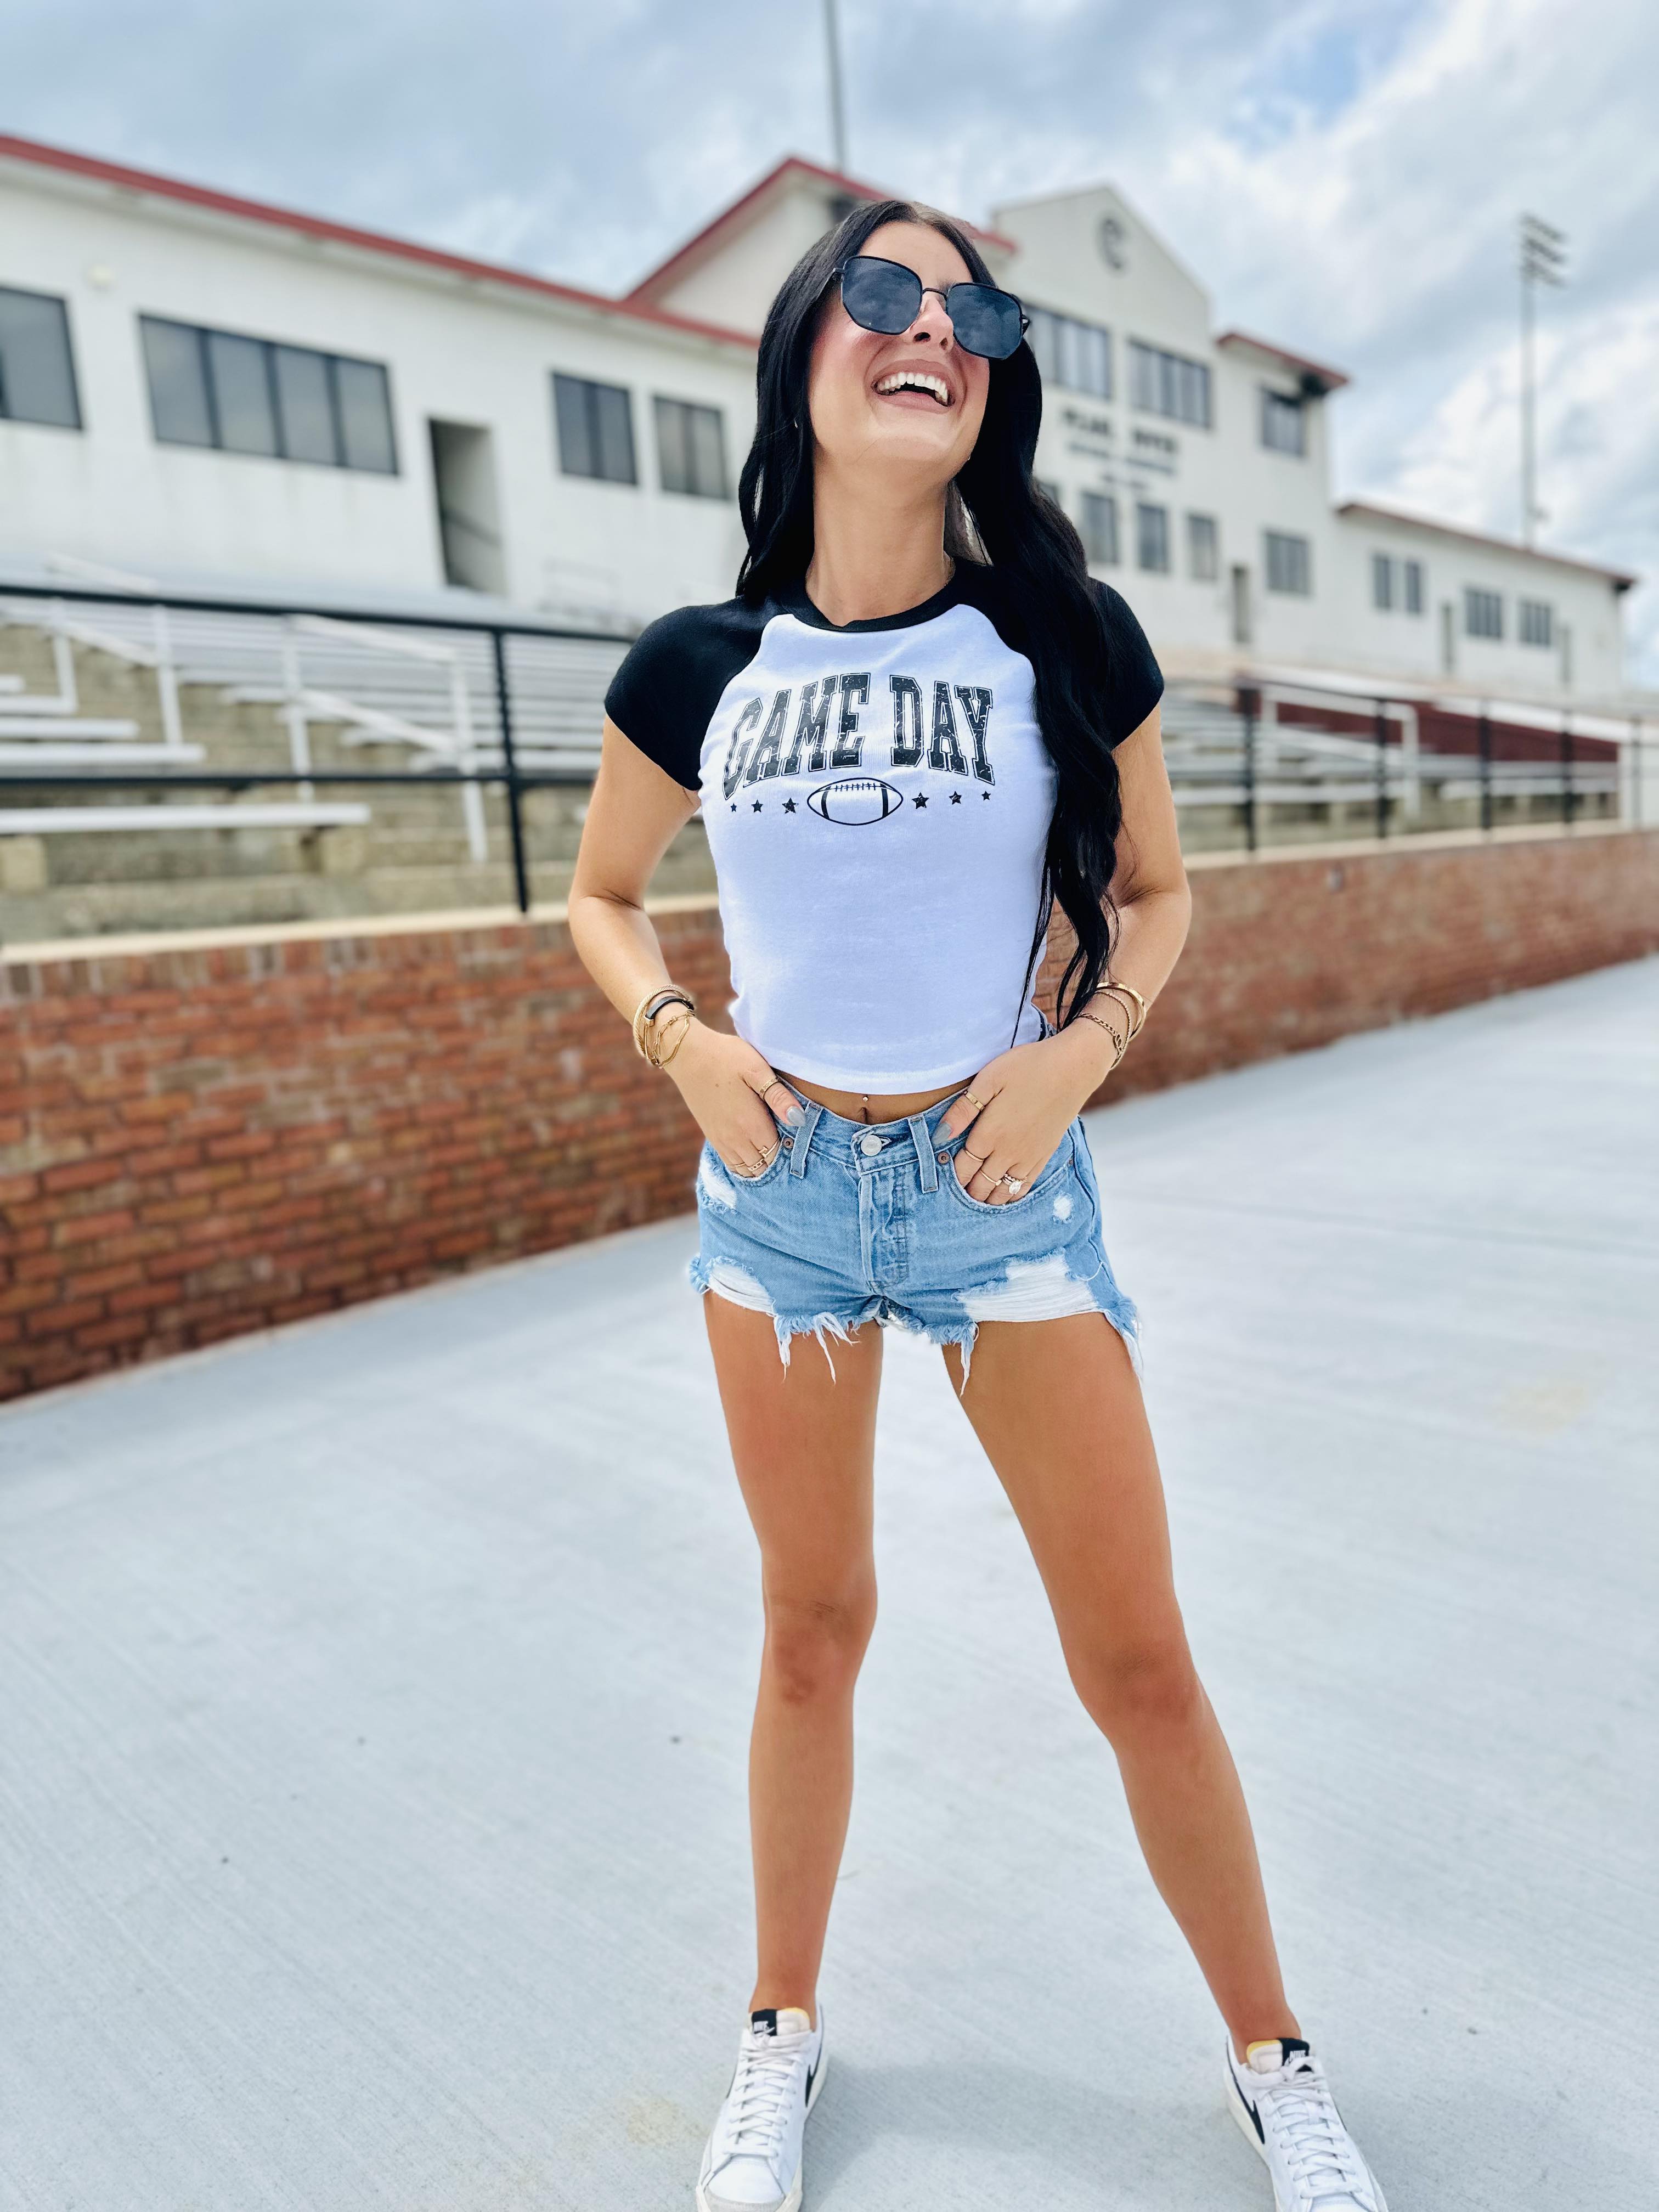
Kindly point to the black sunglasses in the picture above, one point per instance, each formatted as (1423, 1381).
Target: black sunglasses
(886, 296)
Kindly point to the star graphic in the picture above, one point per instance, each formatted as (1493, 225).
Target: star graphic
(757, 806)
(985, 794)
(734, 805)
(956, 799)
(921, 799)
(789, 805)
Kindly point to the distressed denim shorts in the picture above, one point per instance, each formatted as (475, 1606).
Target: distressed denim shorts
(855, 1221)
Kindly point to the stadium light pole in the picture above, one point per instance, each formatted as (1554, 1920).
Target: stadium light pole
(1543, 261)
(837, 102)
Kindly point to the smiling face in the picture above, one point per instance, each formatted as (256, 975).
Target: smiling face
(910, 405)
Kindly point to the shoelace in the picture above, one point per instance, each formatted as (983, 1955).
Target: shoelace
(1319, 2152)
(759, 2098)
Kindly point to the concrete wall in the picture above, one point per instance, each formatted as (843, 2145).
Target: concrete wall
(207, 1136)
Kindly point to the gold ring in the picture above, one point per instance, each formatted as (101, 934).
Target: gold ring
(1015, 1186)
(973, 1101)
(981, 1157)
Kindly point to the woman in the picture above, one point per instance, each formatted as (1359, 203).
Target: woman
(918, 726)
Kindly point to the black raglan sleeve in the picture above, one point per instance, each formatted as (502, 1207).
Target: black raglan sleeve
(1134, 682)
(663, 696)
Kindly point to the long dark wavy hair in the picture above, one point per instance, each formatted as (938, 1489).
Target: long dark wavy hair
(994, 513)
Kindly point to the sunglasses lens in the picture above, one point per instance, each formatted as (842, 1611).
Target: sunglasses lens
(985, 321)
(880, 296)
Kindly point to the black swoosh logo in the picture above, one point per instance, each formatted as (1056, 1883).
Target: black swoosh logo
(1255, 2117)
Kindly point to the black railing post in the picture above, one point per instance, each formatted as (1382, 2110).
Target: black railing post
(1381, 734)
(1567, 793)
(510, 762)
(1248, 701)
(1486, 767)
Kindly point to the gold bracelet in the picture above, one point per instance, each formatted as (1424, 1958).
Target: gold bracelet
(680, 1033)
(1137, 1013)
(1101, 1023)
(663, 994)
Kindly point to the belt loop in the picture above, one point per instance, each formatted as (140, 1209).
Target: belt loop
(922, 1137)
(803, 1137)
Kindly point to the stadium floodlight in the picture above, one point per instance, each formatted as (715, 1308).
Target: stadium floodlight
(1543, 261)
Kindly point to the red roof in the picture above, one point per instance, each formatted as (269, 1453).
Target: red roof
(698, 247)
(1621, 579)
(148, 182)
(1332, 379)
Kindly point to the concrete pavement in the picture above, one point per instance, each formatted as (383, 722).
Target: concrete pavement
(374, 1697)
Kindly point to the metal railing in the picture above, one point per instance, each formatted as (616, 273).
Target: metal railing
(481, 748)
(514, 705)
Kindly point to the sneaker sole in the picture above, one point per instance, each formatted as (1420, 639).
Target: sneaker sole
(1236, 2106)
(791, 2202)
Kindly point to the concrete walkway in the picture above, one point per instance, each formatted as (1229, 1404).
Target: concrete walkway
(374, 1698)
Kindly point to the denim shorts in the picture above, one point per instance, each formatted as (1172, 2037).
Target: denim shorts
(855, 1221)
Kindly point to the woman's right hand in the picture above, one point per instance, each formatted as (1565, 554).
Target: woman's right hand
(735, 1096)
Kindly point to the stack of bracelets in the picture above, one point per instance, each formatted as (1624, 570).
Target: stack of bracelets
(1133, 1008)
(646, 1040)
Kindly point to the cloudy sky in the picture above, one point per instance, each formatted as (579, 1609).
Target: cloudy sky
(1345, 175)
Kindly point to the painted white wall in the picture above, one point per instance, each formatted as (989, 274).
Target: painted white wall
(461, 351)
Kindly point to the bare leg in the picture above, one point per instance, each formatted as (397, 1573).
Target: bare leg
(1058, 1408)
(803, 1446)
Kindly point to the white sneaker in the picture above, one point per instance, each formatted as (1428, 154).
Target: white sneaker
(1281, 2099)
(753, 2160)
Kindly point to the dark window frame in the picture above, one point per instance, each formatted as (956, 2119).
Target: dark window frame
(1383, 591)
(589, 387)
(1480, 601)
(1046, 338)
(1529, 628)
(661, 401)
(1413, 577)
(1203, 526)
(1102, 506)
(1145, 509)
(1161, 383)
(202, 333)
(1284, 409)
(34, 421)
(1293, 557)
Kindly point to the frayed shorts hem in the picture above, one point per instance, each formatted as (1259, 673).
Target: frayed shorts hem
(1044, 1292)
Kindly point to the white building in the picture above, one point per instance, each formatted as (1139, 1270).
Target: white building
(195, 386)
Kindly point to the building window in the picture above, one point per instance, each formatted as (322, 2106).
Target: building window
(1152, 539)
(1290, 563)
(239, 395)
(1382, 582)
(1076, 355)
(1537, 621)
(1169, 384)
(37, 369)
(691, 449)
(1203, 547)
(596, 429)
(1413, 586)
(1048, 488)
(1284, 422)
(1100, 529)
(1483, 612)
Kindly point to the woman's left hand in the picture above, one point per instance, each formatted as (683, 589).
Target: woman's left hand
(1019, 1106)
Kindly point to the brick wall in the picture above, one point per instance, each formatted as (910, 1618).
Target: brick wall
(202, 1138)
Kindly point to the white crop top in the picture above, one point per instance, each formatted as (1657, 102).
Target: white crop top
(877, 797)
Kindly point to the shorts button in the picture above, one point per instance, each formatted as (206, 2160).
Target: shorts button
(941, 1157)
(869, 1146)
(788, 1144)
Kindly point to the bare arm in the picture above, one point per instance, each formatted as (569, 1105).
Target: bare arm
(1031, 1095)
(635, 813)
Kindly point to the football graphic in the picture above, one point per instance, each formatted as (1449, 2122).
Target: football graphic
(856, 799)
